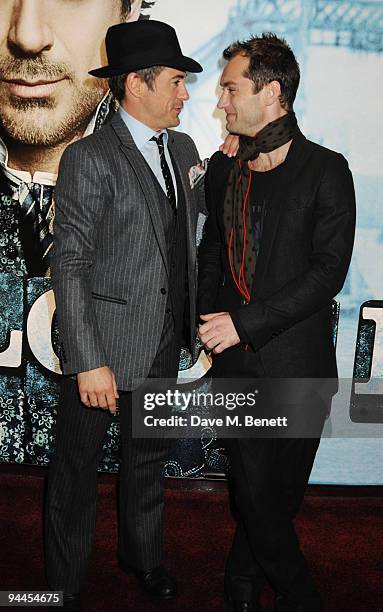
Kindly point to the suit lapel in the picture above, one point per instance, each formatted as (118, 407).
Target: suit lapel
(181, 168)
(191, 218)
(296, 156)
(145, 179)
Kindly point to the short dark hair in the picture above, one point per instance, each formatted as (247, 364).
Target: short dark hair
(271, 59)
(148, 75)
(127, 5)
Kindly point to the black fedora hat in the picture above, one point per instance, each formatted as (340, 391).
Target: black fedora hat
(141, 44)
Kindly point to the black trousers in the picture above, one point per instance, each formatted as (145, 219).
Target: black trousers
(70, 510)
(269, 477)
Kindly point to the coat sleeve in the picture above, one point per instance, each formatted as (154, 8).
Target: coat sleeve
(80, 199)
(332, 243)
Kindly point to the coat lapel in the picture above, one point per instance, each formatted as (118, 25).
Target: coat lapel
(191, 217)
(296, 156)
(182, 165)
(144, 177)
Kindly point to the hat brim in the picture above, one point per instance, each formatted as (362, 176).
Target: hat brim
(186, 64)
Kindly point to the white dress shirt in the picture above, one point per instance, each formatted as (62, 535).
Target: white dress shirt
(142, 135)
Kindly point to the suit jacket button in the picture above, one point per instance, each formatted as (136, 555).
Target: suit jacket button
(163, 290)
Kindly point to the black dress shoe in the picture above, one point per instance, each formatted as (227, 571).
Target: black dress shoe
(71, 601)
(157, 582)
(313, 604)
(244, 606)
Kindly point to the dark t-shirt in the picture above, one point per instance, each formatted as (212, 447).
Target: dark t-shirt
(263, 185)
(240, 360)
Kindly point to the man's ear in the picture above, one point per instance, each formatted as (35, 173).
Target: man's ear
(135, 10)
(272, 92)
(135, 85)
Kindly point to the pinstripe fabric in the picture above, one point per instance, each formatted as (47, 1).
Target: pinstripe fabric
(141, 496)
(72, 488)
(70, 511)
(117, 244)
(109, 240)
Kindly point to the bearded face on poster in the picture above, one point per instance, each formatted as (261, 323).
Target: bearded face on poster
(47, 100)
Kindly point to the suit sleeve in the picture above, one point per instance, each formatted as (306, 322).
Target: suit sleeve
(332, 243)
(209, 252)
(80, 199)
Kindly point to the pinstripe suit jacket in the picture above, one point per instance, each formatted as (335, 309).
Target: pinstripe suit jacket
(110, 271)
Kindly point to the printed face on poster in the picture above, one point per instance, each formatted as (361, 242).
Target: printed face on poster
(47, 97)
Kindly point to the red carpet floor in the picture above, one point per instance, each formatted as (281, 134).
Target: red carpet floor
(341, 536)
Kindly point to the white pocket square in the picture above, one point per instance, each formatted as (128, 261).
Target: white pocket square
(197, 172)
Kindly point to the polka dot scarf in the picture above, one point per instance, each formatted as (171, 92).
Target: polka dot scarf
(237, 211)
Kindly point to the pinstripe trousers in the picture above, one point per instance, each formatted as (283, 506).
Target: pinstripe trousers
(70, 510)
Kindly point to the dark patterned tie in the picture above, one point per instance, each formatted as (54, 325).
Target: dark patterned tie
(166, 172)
(38, 236)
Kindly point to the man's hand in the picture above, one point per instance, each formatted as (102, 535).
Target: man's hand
(218, 333)
(230, 145)
(98, 389)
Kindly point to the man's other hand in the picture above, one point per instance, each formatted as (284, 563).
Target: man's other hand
(218, 332)
(98, 389)
(230, 145)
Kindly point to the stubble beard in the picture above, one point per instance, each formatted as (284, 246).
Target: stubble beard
(42, 122)
(246, 124)
(232, 129)
(238, 129)
(175, 123)
(53, 120)
(232, 126)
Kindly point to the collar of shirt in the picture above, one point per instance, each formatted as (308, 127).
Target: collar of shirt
(22, 176)
(141, 135)
(40, 177)
(140, 132)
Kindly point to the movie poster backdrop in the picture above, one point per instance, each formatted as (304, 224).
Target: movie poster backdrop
(339, 46)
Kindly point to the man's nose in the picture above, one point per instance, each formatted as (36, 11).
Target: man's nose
(223, 100)
(183, 93)
(30, 31)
